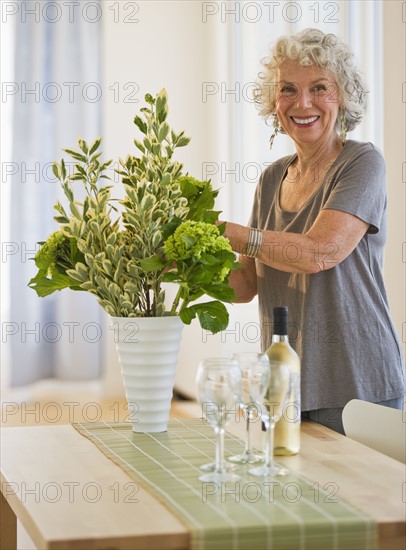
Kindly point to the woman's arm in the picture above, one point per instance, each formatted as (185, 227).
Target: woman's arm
(332, 237)
(244, 280)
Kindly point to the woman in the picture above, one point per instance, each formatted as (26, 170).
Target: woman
(317, 231)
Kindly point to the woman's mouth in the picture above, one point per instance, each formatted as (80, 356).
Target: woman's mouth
(304, 121)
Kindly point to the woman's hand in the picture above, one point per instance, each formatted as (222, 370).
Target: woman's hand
(244, 281)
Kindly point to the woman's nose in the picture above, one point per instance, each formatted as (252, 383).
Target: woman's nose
(304, 99)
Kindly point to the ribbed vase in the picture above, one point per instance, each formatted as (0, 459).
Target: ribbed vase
(148, 350)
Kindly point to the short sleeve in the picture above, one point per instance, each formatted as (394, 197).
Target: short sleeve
(253, 220)
(359, 187)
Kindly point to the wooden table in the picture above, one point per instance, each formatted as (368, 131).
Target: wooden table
(68, 495)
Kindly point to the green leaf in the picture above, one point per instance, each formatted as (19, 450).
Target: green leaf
(76, 155)
(170, 277)
(80, 169)
(108, 268)
(75, 211)
(83, 146)
(211, 216)
(153, 263)
(189, 241)
(166, 179)
(139, 145)
(163, 131)
(222, 227)
(156, 149)
(140, 124)
(147, 144)
(111, 239)
(131, 287)
(59, 208)
(61, 219)
(162, 105)
(95, 157)
(87, 285)
(63, 169)
(44, 286)
(213, 316)
(125, 304)
(81, 270)
(156, 239)
(221, 292)
(119, 270)
(149, 99)
(201, 199)
(94, 226)
(56, 170)
(105, 165)
(223, 258)
(170, 227)
(89, 259)
(147, 203)
(182, 141)
(95, 145)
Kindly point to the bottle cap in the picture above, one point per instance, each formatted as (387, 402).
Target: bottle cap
(280, 320)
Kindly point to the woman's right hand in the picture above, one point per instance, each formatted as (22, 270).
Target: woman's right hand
(244, 280)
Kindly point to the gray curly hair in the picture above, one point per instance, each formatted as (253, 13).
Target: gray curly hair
(313, 47)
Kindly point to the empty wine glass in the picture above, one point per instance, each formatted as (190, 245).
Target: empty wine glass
(251, 364)
(218, 381)
(272, 402)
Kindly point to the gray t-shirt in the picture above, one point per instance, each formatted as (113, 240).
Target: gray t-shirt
(339, 321)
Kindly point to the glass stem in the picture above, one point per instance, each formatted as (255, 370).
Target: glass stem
(269, 450)
(248, 434)
(219, 449)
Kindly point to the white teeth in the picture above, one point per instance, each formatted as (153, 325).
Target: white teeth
(305, 120)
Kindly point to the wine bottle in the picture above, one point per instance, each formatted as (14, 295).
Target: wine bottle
(287, 429)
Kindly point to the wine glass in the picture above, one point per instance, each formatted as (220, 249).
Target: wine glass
(218, 381)
(251, 364)
(272, 402)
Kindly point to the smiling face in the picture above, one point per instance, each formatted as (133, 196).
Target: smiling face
(307, 103)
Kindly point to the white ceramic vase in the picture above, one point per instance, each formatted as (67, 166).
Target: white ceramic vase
(148, 350)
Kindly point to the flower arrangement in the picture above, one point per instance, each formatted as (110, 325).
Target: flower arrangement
(163, 231)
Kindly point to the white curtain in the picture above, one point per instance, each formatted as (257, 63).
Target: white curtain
(56, 97)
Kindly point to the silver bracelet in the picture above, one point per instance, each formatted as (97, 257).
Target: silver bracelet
(254, 243)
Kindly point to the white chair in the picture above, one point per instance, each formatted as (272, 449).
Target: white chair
(381, 428)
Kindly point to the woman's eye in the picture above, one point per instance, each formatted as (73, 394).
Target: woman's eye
(319, 88)
(286, 90)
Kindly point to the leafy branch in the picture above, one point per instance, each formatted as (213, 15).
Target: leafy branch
(164, 230)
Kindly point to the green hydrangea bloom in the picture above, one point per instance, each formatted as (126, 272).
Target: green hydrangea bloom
(193, 239)
(55, 248)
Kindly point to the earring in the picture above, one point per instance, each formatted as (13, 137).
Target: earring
(343, 127)
(276, 130)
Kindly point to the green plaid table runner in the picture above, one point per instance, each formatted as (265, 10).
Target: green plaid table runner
(286, 513)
